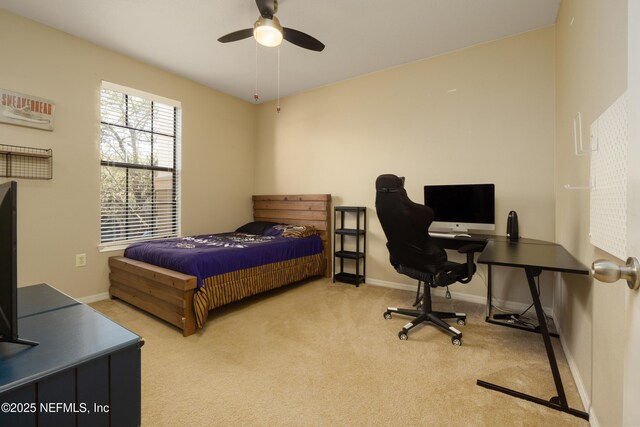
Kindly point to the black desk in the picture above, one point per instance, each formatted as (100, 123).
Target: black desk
(498, 319)
(83, 358)
(534, 258)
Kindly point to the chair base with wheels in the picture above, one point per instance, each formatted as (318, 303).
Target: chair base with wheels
(425, 313)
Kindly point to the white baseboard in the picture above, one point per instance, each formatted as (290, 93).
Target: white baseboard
(393, 285)
(477, 299)
(94, 298)
(593, 419)
(575, 373)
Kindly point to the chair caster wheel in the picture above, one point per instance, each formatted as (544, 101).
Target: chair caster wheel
(387, 315)
(403, 336)
(462, 322)
(456, 341)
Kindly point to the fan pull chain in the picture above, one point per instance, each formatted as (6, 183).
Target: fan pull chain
(255, 93)
(278, 103)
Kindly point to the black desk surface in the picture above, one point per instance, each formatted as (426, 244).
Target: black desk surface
(477, 238)
(69, 333)
(456, 242)
(545, 255)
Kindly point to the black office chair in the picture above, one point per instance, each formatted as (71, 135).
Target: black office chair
(413, 252)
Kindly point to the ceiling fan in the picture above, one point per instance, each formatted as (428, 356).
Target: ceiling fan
(268, 31)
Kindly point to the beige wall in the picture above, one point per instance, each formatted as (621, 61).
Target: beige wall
(483, 114)
(60, 218)
(489, 113)
(591, 58)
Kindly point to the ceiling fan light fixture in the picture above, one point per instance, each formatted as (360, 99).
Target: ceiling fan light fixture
(268, 32)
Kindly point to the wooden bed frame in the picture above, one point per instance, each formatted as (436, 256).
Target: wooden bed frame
(168, 294)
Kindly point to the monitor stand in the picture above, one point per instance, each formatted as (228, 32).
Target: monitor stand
(15, 339)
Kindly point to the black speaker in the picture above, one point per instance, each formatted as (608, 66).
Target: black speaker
(512, 226)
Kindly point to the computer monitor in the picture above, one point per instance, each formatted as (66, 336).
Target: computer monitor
(461, 207)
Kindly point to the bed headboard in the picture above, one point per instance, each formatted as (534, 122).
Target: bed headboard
(299, 209)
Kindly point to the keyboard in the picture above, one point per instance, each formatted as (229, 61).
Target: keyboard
(448, 235)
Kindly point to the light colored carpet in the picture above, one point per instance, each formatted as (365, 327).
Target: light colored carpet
(319, 353)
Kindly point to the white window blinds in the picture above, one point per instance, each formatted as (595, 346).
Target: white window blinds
(139, 147)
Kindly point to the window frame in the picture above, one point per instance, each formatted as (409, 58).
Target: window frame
(175, 170)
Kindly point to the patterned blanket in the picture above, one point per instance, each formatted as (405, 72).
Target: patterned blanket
(209, 255)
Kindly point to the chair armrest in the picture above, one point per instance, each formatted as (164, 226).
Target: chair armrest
(474, 247)
(471, 267)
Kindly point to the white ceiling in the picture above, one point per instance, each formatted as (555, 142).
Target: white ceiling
(361, 36)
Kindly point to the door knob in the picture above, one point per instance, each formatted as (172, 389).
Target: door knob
(608, 271)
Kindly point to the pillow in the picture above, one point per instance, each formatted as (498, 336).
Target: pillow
(274, 231)
(295, 231)
(256, 227)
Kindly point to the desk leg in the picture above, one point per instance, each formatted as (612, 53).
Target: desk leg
(561, 397)
(503, 319)
(489, 294)
(558, 402)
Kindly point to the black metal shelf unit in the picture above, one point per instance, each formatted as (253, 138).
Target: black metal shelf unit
(340, 253)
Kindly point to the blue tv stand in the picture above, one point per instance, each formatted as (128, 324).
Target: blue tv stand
(84, 372)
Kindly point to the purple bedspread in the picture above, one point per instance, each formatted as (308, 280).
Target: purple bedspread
(212, 254)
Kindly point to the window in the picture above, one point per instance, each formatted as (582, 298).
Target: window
(139, 157)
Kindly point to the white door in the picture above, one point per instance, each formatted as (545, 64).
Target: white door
(630, 333)
(631, 393)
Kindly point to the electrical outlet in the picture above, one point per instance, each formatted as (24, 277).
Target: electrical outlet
(81, 260)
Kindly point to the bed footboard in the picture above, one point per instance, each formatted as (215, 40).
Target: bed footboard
(164, 293)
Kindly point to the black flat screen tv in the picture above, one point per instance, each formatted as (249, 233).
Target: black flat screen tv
(461, 207)
(9, 264)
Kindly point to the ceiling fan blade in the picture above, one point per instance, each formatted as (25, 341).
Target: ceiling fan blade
(303, 40)
(266, 7)
(236, 35)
